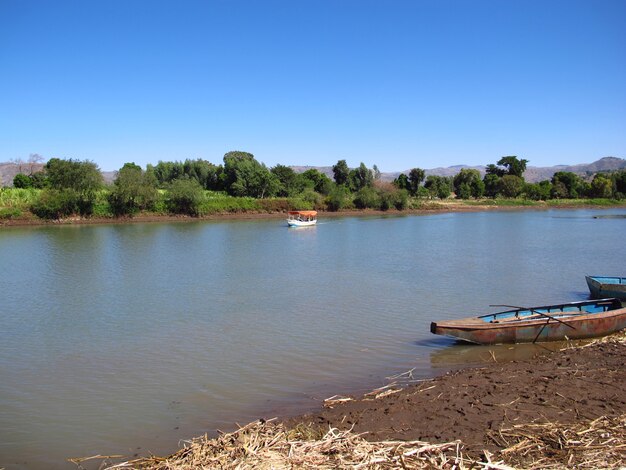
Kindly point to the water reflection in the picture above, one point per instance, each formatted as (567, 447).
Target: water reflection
(462, 354)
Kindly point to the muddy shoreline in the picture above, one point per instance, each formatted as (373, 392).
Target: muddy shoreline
(558, 409)
(472, 405)
(437, 208)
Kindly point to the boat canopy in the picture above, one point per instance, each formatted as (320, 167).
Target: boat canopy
(304, 213)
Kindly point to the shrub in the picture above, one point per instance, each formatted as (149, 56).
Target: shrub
(9, 213)
(337, 198)
(184, 197)
(55, 203)
(22, 181)
(274, 205)
(367, 198)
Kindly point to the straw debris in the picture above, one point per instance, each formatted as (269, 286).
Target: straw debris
(269, 445)
(600, 443)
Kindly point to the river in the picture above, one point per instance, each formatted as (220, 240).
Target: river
(124, 339)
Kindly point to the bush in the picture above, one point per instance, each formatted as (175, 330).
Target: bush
(367, 198)
(337, 199)
(9, 213)
(55, 203)
(184, 197)
(274, 205)
(312, 199)
(227, 204)
(22, 181)
(299, 204)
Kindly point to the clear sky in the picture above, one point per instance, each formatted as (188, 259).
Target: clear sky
(399, 84)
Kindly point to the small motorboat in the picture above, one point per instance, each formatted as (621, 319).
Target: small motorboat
(301, 218)
(572, 320)
(607, 286)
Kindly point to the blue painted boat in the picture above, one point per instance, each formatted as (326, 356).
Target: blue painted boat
(574, 320)
(606, 286)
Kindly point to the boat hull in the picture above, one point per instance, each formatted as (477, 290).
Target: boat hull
(300, 223)
(579, 326)
(604, 286)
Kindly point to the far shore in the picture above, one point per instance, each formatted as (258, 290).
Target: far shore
(429, 208)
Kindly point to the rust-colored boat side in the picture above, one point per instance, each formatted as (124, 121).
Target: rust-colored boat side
(540, 327)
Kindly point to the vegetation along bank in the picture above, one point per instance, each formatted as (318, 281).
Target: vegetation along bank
(63, 189)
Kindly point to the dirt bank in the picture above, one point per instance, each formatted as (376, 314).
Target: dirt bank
(564, 409)
(436, 207)
(473, 405)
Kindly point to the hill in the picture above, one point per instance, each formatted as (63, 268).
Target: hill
(532, 175)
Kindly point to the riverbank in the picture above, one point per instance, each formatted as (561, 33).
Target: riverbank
(561, 409)
(425, 208)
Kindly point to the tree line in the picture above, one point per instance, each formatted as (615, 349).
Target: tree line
(240, 182)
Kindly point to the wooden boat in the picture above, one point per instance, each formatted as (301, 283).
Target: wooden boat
(607, 286)
(301, 218)
(573, 320)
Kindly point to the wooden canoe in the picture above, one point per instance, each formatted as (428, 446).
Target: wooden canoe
(572, 320)
(606, 286)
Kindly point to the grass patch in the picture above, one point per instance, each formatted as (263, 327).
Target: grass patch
(516, 202)
(216, 203)
(18, 198)
(7, 213)
(601, 202)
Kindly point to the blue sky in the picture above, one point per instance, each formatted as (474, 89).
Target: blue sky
(399, 84)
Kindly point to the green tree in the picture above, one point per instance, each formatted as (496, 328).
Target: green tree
(56, 203)
(290, 185)
(566, 185)
(538, 191)
(81, 176)
(22, 181)
(602, 186)
(184, 196)
(361, 177)
(341, 172)
(513, 165)
(511, 186)
(402, 182)
(244, 176)
(467, 183)
(367, 197)
(321, 183)
(416, 176)
(133, 190)
(39, 180)
(337, 198)
(494, 170)
(438, 186)
(492, 184)
(619, 181)
(78, 179)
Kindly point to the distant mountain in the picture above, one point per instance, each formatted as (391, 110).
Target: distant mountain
(536, 174)
(9, 170)
(533, 174)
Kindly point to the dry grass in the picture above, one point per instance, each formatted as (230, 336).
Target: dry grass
(266, 445)
(600, 443)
